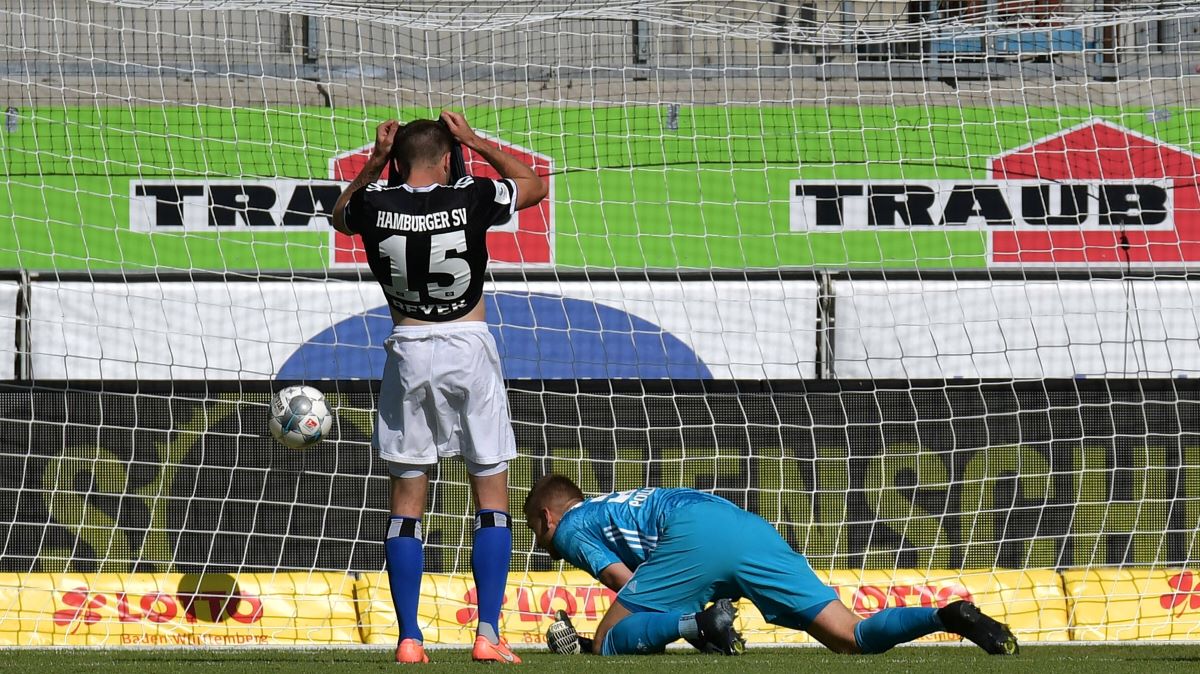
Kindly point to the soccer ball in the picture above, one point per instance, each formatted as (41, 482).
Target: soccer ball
(299, 416)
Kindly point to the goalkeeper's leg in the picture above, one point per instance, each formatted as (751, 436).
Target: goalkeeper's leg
(623, 632)
(644, 633)
(843, 632)
(783, 586)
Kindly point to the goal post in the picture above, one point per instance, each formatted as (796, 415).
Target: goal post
(915, 282)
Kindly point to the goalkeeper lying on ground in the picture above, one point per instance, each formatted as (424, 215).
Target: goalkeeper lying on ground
(668, 552)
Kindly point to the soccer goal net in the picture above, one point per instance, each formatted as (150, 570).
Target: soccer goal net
(914, 281)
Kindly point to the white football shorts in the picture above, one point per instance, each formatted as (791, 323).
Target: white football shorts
(443, 395)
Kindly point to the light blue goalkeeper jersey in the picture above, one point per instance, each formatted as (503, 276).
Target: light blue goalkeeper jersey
(621, 527)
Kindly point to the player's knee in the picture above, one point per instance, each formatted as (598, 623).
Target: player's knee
(836, 628)
(598, 640)
(408, 489)
(844, 646)
(605, 629)
(490, 484)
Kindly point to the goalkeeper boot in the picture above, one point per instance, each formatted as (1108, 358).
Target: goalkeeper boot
(486, 651)
(705, 647)
(411, 651)
(965, 619)
(716, 629)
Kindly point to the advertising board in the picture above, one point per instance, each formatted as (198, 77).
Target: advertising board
(899, 187)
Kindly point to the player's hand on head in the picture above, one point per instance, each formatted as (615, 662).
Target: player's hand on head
(458, 126)
(385, 137)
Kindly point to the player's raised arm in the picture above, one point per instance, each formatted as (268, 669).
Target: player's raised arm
(385, 137)
(531, 189)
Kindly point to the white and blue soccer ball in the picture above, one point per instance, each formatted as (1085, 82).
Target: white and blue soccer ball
(299, 416)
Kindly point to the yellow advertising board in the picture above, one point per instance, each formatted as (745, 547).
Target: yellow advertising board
(1134, 604)
(1031, 602)
(55, 609)
(315, 608)
(448, 606)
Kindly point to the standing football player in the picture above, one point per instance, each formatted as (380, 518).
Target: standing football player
(442, 393)
(668, 552)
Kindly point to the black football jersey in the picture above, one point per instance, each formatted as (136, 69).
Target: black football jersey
(427, 246)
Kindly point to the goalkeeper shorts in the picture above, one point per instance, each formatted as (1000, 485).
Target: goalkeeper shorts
(443, 395)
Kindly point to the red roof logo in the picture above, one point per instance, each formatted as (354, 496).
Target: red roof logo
(1101, 151)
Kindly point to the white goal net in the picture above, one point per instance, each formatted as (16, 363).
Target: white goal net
(915, 281)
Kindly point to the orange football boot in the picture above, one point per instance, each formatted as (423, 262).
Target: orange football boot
(486, 651)
(411, 651)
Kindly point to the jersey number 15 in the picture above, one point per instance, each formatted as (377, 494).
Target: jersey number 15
(405, 286)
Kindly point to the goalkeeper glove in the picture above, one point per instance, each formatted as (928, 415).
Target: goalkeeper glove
(562, 638)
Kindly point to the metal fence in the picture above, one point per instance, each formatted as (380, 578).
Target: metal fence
(71, 36)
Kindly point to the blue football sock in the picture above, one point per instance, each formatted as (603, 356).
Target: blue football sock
(643, 633)
(405, 564)
(893, 626)
(489, 562)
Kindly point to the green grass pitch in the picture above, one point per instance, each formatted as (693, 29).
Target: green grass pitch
(1099, 659)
